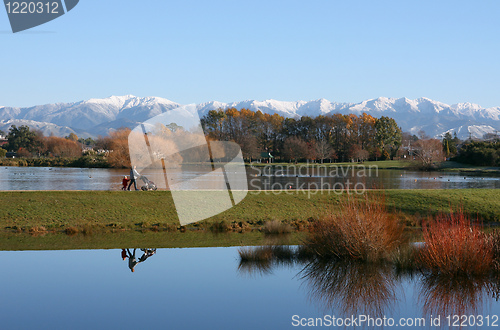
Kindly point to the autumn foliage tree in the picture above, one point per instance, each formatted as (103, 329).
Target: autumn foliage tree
(62, 147)
(117, 142)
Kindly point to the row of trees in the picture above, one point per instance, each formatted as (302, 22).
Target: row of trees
(337, 136)
(333, 137)
(32, 143)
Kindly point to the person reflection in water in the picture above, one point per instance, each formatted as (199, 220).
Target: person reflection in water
(132, 261)
(147, 253)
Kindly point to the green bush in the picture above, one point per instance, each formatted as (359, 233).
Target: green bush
(480, 153)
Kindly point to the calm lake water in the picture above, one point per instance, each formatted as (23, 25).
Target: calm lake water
(208, 288)
(286, 177)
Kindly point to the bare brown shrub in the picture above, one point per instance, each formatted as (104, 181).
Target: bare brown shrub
(363, 230)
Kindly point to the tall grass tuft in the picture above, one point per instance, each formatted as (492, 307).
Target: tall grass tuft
(219, 227)
(455, 246)
(362, 230)
(493, 239)
(405, 259)
(70, 231)
(260, 253)
(37, 231)
(276, 227)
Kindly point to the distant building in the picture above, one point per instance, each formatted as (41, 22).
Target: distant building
(266, 157)
(3, 140)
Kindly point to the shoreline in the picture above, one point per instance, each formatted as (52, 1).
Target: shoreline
(448, 166)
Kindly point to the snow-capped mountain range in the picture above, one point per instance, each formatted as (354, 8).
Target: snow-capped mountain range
(98, 116)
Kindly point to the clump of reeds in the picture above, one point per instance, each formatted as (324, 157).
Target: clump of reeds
(241, 226)
(493, 239)
(255, 260)
(87, 230)
(275, 227)
(362, 230)
(405, 259)
(37, 230)
(70, 231)
(456, 246)
(170, 227)
(219, 227)
(261, 259)
(260, 253)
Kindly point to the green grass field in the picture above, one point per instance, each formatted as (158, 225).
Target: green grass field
(111, 210)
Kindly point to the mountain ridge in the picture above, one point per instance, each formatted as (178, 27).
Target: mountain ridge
(96, 116)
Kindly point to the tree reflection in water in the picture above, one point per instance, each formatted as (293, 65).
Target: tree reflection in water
(350, 287)
(454, 295)
(354, 288)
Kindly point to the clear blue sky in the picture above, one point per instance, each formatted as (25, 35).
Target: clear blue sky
(197, 51)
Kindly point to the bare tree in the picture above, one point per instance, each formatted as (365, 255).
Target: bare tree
(428, 152)
(294, 149)
(324, 150)
(357, 153)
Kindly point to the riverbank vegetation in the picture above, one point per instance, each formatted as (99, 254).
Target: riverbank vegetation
(453, 244)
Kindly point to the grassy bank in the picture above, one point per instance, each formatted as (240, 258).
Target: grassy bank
(93, 211)
(101, 162)
(382, 164)
(467, 168)
(137, 239)
(448, 166)
(90, 161)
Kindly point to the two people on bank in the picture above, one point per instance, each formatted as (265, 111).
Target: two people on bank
(134, 175)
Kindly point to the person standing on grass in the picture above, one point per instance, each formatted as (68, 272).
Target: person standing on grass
(134, 175)
(125, 182)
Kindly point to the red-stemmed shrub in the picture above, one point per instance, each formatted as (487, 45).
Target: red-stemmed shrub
(455, 245)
